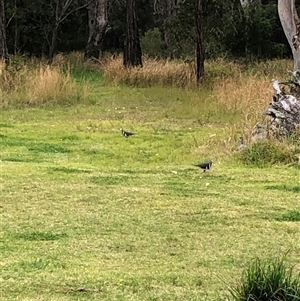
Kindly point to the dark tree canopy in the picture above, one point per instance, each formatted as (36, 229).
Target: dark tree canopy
(226, 28)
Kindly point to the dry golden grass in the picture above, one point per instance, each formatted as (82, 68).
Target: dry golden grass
(48, 84)
(35, 84)
(166, 72)
(248, 96)
(154, 72)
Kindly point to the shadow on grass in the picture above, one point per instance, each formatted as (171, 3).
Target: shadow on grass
(290, 216)
(70, 138)
(21, 159)
(180, 189)
(42, 147)
(69, 170)
(39, 236)
(110, 180)
(284, 187)
(5, 125)
(27, 266)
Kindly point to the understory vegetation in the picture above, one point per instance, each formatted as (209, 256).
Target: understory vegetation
(88, 214)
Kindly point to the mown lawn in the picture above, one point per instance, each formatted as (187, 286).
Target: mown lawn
(87, 214)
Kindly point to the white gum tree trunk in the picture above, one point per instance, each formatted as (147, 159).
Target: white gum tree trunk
(98, 26)
(291, 26)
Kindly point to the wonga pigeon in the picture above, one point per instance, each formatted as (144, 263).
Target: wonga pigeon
(125, 133)
(205, 165)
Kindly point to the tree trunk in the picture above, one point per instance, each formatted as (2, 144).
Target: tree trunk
(98, 25)
(168, 14)
(132, 47)
(285, 108)
(291, 26)
(3, 45)
(52, 45)
(199, 41)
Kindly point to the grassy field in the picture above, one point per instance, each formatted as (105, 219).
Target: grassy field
(87, 214)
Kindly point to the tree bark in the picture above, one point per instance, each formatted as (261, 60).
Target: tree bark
(98, 26)
(3, 44)
(245, 3)
(52, 44)
(168, 15)
(199, 42)
(291, 26)
(132, 47)
(284, 110)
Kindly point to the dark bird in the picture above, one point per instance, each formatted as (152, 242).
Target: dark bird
(205, 165)
(126, 134)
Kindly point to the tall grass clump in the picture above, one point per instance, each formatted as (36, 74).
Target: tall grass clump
(48, 84)
(277, 68)
(246, 95)
(248, 91)
(35, 84)
(166, 72)
(267, 280)
(75, 62)
(269, 152)
(154, 72)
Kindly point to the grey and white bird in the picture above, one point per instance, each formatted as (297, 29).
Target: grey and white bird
(126, 134)
(205, 165)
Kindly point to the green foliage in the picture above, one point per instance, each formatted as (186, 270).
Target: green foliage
(266, 153)
(263, 32)
(152, 44)
(267, 280)
(228, 29)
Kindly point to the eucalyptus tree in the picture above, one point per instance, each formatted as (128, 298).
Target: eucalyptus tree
(61, 10)
(98, 26)
(167, 11)
(199, 41)
(3, 44)
(132, 47)
(291, 26)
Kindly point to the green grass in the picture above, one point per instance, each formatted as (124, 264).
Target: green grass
(89, 215)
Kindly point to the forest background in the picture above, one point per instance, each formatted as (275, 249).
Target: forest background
(229, 30)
